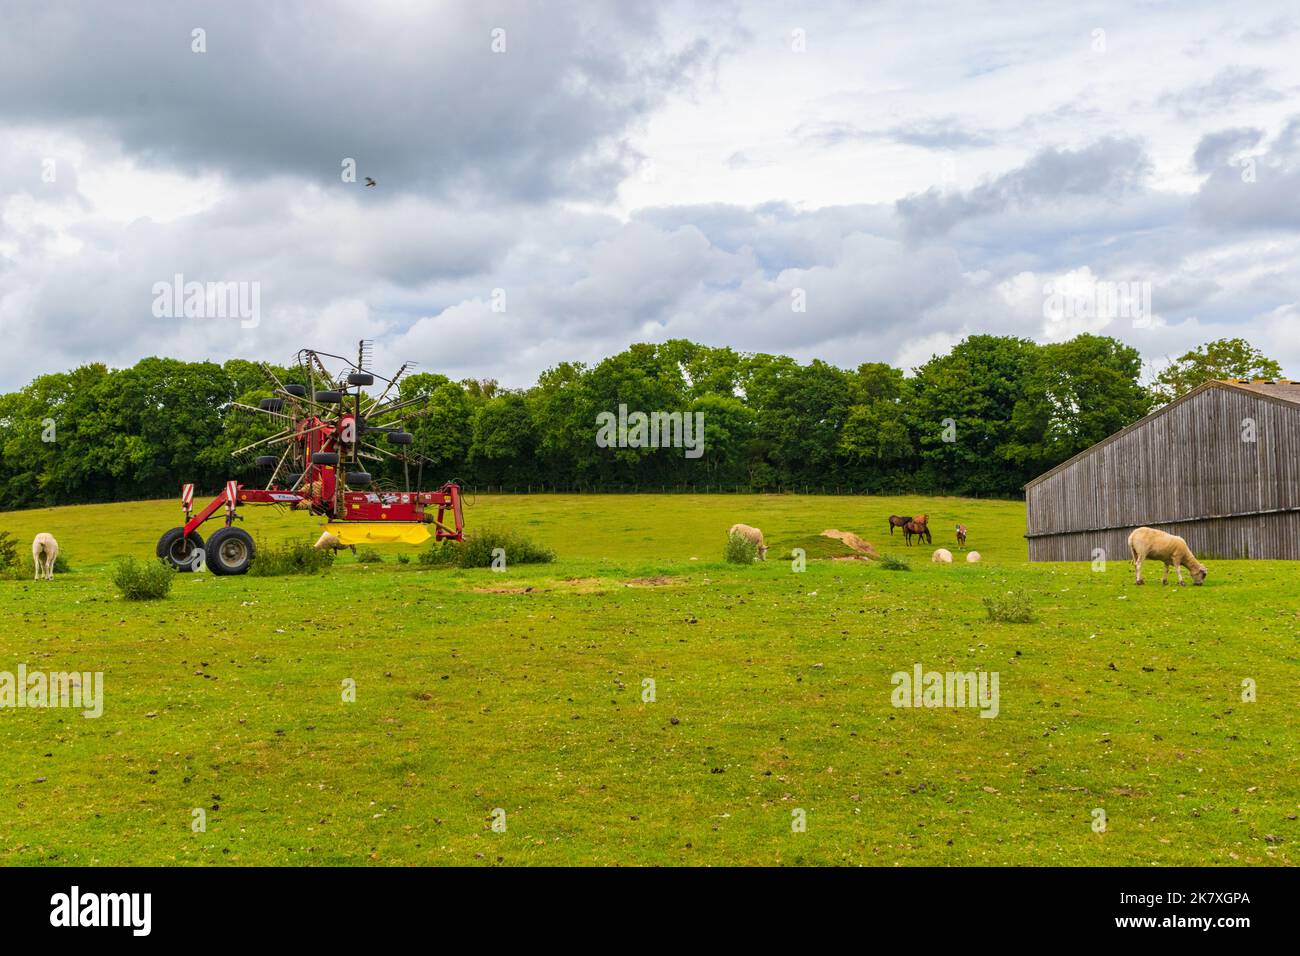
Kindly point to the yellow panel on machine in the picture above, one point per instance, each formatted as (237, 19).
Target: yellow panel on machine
(377, 532)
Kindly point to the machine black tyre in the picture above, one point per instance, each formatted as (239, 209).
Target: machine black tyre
(298, 391)
(177, 550)
(325, 458)
(230, 551)
(359, 479)
(400, 438)
(265, 461)
(360, 378)
(292, 479)
(271, 404)
(329, 397)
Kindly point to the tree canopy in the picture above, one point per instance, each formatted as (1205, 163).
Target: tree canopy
(982, 419)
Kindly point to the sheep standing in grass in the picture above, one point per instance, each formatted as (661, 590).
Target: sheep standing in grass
(44, 552)
(753, 535)
(1169, 548)
(331, 541)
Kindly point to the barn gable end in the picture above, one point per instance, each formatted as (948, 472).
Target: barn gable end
(1186, 468)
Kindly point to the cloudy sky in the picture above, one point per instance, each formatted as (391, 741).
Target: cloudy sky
(557, 180)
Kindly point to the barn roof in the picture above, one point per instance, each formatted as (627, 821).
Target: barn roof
(1282, 391)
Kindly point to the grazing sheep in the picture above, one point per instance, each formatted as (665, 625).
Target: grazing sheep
(961, 535)
(750, 534)
(44, 550)
(942, 556)
(1168, 548)
(973, 557)
(331, 541)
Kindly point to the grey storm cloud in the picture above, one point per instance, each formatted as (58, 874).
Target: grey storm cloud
(1107, 169)
(1258, 192)
(414, 93)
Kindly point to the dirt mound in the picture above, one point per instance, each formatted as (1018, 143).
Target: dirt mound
(853, 541)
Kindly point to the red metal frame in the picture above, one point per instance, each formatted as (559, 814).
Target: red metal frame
(388, 506)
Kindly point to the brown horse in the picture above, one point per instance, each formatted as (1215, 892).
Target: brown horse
(918, 528)
(897, 521)
(961, 534)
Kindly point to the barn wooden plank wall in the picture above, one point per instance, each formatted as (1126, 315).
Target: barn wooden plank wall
(1186, 470)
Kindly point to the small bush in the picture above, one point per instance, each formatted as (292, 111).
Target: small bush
(1014, 607)
(893, 563)
(24, 569)
(143, 581)
(369, 556)
(290, 557)
(403, 558)
(740, 550)
(476, 551)
(8, 551)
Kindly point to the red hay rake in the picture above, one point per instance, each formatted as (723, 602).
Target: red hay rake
(326, 436)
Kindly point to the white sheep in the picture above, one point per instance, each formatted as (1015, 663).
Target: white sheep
(752, 535)
(44, 550)
(1153, 543)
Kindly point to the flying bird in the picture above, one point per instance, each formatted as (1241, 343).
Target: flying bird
(369, 182)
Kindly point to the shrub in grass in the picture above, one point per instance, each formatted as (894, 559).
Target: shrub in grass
(8, 551)
(403, 558)
(1014, 607)
(143, 581)
(893, 563)
(23, 569)
(290, 557)
(369, 556)
(740, 550)
(477, 550)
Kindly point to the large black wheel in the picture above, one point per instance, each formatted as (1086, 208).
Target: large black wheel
(325, 458)
(271, 404)
(265, 461)
(176, 549)
(298, 391)
(328, 397)
(360, 378)
(359, 479)
(230, 551)
(400, 438)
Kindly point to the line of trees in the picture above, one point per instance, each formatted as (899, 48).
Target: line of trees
(980, 420)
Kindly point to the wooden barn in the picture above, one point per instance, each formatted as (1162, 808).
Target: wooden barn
(1219, 466)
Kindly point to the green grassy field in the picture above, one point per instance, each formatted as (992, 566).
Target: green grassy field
(522, 690)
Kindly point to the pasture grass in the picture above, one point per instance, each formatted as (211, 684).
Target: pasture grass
(525, 690)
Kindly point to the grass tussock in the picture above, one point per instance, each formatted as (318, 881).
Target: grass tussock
(480, 549)
(143, 580)
(290, 557)
(1014, 607)
(892, 562)
(739, 550)
(369, 556)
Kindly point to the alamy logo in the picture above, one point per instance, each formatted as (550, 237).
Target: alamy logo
(208, 300)
(656, 430)
(103, 909)
(79, 691)
(950, 689)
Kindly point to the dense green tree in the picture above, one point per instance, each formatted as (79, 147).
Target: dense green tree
(981, 419)
(1222, 358)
